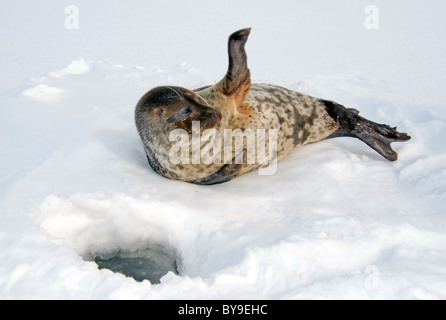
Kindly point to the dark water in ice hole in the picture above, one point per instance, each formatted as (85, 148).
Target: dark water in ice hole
(144, 264)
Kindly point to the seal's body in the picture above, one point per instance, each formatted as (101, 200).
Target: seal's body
(298, 118)
(236, 104)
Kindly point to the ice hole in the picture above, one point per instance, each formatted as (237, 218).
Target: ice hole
(150, 263)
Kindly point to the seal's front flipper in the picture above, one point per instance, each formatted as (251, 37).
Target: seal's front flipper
(224, 174)
(377, 136)
(237, 81)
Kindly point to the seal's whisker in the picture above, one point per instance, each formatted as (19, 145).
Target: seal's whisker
(184, 83)
(178, 94)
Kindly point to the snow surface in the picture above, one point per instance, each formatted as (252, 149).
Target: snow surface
(337, 221)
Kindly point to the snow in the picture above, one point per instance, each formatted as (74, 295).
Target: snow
(43, 92)
(335, 222)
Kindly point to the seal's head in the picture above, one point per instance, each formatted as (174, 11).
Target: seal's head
(164, 109)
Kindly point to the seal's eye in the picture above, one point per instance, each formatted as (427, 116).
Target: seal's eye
(186, 110)
(181, 115)
(160, 111)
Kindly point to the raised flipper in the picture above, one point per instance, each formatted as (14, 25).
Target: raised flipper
(237, 81)
(377, 136)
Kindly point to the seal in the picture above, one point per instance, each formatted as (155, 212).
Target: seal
(168, 118)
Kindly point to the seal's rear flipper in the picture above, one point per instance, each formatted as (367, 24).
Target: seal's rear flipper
(237, 81)
(377, 136)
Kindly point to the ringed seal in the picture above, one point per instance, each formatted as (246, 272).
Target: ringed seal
(235, 103)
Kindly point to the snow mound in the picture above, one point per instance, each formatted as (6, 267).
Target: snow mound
(77, 67)
(43, 92)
